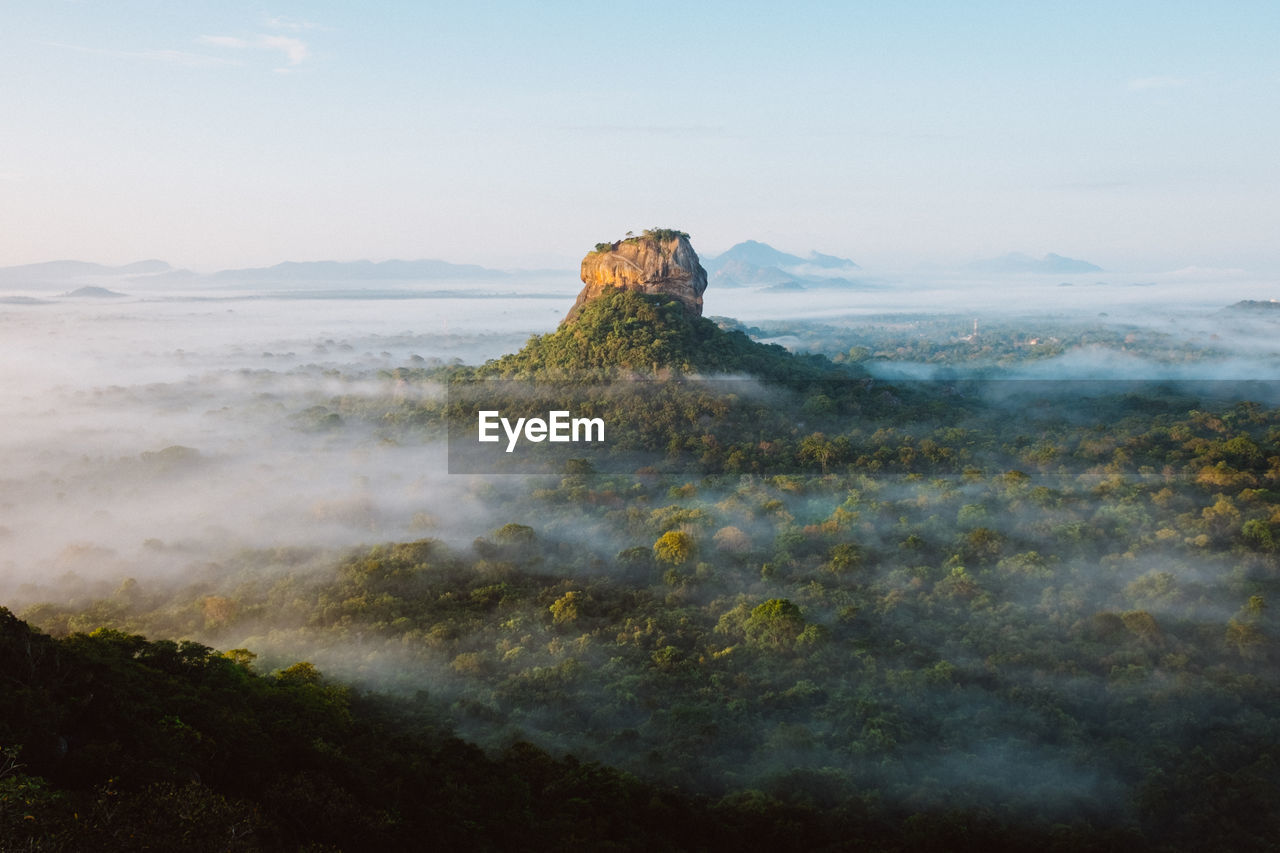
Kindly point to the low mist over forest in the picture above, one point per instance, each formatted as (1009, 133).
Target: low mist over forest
(888, 563)
(367, 484)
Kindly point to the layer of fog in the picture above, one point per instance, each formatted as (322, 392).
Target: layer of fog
(1141, 296)
(142, 435)
(95, 390)
(145, 435)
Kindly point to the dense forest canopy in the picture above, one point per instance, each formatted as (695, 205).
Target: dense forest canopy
(859, 612)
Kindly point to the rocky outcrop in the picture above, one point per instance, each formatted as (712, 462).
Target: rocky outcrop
(659, 262)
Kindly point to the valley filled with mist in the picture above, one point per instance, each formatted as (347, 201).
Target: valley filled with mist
(163, 423)
(366, 484)
(992, 561)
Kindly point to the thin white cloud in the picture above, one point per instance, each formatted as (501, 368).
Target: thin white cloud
(174, 57)
(1093, 186)
(183, 57)
(1148, 84)
(223, 41)
(294, 50)
(280, 22)
(649, 129)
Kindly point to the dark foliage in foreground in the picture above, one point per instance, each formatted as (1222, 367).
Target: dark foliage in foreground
(118, 743)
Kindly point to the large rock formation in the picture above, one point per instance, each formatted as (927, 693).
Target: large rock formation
(659, 262)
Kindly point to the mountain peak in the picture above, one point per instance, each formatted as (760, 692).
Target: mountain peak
(753, 253)
(659, 262)
(1018, 262)
(59, 273)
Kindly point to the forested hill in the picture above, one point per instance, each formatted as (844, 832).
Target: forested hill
(111, 742)
(622, 333)
(114, 743)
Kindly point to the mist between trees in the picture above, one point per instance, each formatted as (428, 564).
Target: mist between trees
(954, 615)
(1050, 603)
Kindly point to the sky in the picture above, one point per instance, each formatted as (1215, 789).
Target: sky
(1139, 136)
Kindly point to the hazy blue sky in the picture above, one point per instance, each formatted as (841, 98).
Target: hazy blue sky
(1136, 135)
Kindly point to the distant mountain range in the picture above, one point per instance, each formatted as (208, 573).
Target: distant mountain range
(360, 271)
(755, 264)
(58, 275)
(748, 264)
(1017, 262)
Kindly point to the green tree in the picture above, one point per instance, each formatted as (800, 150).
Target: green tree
(816, 447)
(515, 534)
(775, 624)
(844, 557)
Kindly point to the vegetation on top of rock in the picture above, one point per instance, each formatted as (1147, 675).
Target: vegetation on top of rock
(664, 234)
(659, 234)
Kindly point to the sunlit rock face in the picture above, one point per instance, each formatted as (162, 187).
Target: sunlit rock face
(658, 263)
